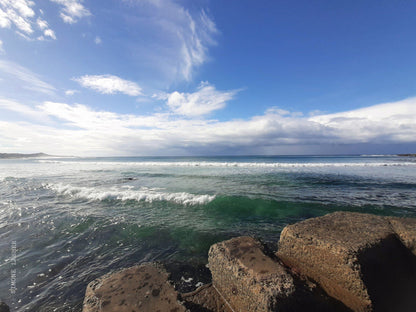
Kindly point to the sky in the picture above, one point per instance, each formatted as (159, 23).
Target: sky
(207, 77)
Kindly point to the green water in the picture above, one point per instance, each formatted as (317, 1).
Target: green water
(73, 220)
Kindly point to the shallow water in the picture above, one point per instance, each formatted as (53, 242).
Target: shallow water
(66, 221)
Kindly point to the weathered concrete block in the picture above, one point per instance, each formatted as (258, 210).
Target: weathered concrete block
(139, 288)
(205, 298)
(356, 258)
(247, 278)
(405, 228)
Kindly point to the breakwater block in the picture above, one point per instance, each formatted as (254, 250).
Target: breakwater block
(340, 262)
(405, 228)
(367, 262)
(140, 288)
(205, 299)
(247, 278)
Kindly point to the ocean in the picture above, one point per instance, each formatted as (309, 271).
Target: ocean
(66, 221)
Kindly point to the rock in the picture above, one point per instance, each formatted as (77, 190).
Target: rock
(139, 288)
(187, 276)
(205, 298)
(356, 258)
(4, 307)
(405, 228)
(246, 278)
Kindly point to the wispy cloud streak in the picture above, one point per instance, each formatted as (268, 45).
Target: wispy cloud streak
(30, 80)
(180, 38)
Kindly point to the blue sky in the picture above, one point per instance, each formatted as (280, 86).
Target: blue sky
(201, 77)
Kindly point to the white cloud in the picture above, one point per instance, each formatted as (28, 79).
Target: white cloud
(377, 123)
(109, 133)
(14, 106)
(1, 47)
(109, 84)
(5, 22)
(70, 92)
(204, 101)
(20, 14)
(49, 33)
(42, 24)
(21, 6)
(98, 40)
(31, 81)
(195, 38)
(72, 10)
(180, 38)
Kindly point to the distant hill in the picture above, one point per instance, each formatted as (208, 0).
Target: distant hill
(407, 155)
(17, 155)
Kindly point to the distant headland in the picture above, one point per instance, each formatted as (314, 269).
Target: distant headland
(19, 155)
(407, 155)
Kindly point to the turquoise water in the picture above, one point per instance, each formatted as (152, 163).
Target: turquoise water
(66, 221)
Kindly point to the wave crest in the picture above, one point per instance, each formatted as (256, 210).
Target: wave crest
(143, 194)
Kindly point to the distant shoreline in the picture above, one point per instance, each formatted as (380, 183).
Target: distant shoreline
(19, 155)
(37, 155)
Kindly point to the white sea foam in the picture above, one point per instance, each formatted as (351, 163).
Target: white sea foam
(142, 194)
(232, 164)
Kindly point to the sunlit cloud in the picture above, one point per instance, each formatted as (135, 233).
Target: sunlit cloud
(202, 102)
(21, 15)
(72, 11)
(42, 24)
(109, 84)
(47, 32)
(388, 122)
(17, 13)
(5, 21)
(109, 133)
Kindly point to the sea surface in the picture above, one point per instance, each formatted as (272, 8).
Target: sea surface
(66, 221)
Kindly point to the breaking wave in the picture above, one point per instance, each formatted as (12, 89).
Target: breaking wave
(143, 194)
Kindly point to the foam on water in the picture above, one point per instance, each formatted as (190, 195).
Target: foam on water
(76, 219)
(143, 194)
(231, 164)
